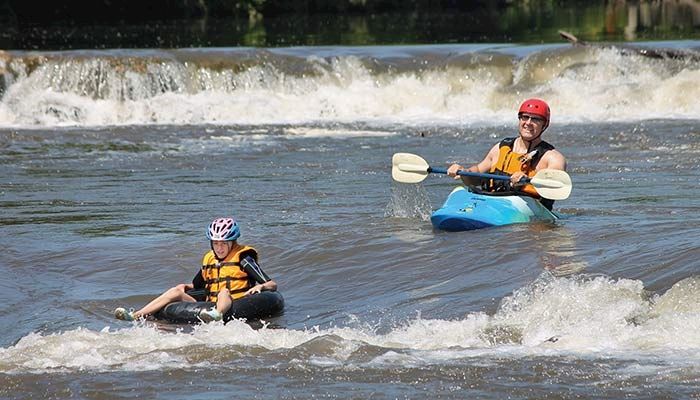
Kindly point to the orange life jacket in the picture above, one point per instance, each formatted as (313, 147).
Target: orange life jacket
(510, 162)
(227, 273)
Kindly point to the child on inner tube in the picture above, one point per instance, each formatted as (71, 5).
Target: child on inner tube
(229, 271)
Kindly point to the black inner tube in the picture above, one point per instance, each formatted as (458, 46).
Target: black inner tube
(253, 307)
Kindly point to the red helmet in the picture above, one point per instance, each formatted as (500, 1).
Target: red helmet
(536, 107)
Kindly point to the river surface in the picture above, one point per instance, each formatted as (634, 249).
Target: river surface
(114, 162)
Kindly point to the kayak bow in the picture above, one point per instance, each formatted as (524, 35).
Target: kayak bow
(465, 210)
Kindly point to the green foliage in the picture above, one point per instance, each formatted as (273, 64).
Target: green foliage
(265, 23)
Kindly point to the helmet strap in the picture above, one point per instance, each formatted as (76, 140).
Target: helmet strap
(529, 142)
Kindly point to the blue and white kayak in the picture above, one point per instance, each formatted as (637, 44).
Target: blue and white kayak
(465, 210)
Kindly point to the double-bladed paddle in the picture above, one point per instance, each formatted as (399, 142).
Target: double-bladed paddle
(551, 184)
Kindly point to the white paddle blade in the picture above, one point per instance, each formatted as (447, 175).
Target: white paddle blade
(408, 168)
(552, 184)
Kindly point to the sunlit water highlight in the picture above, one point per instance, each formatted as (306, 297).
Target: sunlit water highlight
(107, 187)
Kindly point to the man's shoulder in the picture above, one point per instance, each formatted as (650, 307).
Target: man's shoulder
(553, 159)
(555, 154)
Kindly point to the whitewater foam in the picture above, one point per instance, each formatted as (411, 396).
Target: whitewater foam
(583, 315)
(431, 87)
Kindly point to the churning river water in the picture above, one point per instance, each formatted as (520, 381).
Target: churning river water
(114, 162)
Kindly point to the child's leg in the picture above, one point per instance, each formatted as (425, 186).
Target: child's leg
(223, 301)
(176, 293)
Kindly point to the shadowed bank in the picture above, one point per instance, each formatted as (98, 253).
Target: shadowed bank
(214, 23)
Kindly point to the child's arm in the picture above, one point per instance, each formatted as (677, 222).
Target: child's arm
(253, 270)
(198, 281)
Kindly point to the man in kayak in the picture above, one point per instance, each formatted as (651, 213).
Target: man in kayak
(229, 271)
(518, 157)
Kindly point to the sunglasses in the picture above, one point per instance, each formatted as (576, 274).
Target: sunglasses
(525, 118)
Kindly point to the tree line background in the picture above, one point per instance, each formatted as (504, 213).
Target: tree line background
(77, 11)
(78, 24)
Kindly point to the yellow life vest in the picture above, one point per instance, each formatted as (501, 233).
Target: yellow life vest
(510, 162)
(226, 273)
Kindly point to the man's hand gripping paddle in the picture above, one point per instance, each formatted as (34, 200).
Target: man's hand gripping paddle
(551, 184)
